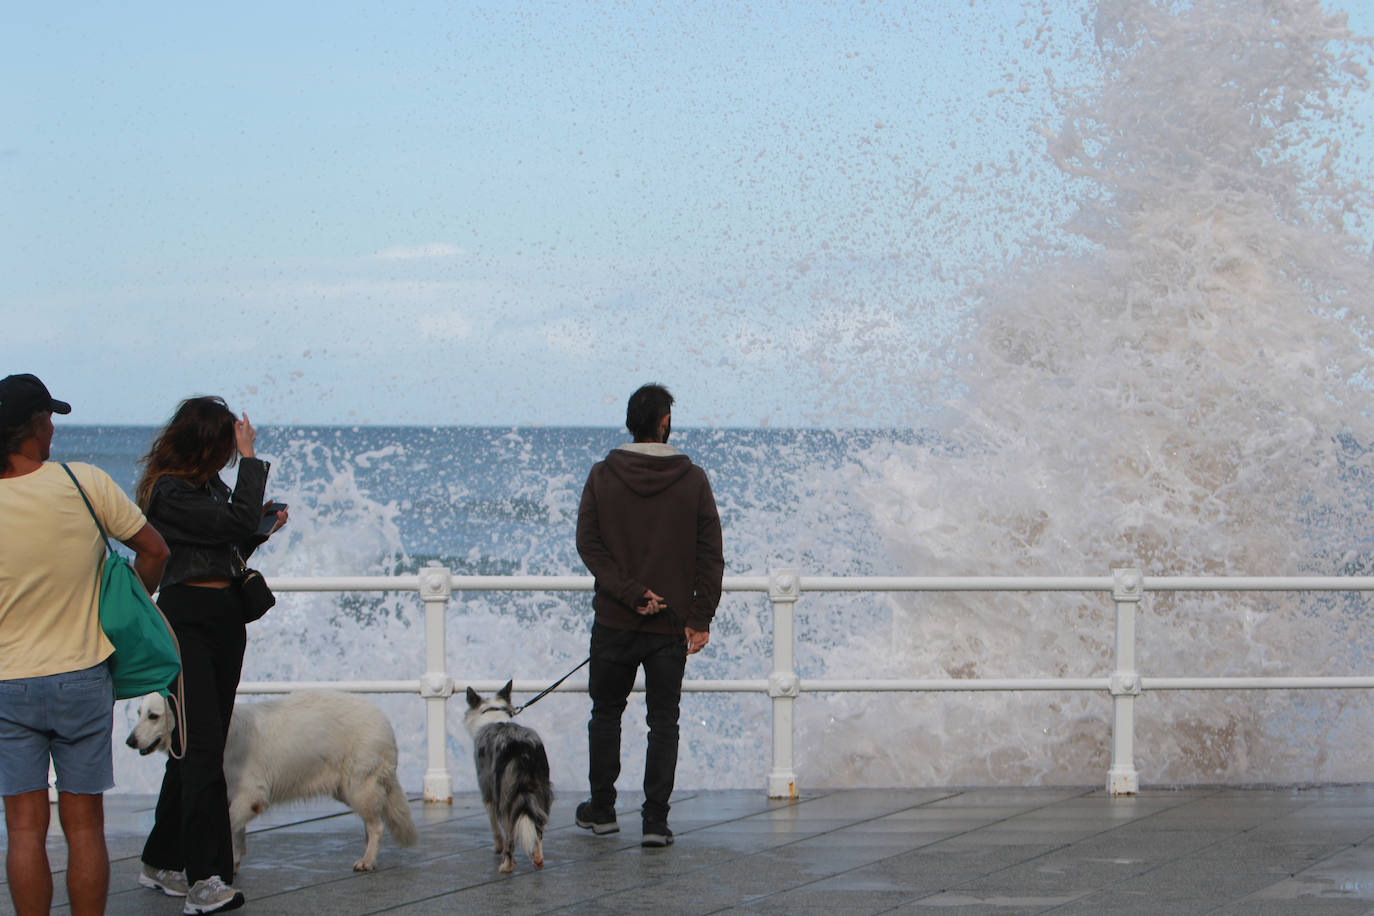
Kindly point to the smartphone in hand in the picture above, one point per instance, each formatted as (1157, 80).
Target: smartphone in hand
(269, 517)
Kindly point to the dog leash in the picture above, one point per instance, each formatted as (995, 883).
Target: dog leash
(549, 689)
(554, 686)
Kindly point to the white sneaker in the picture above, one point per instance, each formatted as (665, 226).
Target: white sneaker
(171, 883)
(212, 896)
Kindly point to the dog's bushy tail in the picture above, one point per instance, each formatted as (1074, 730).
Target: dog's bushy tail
(396, 813)
(526, 794)
(526, 834)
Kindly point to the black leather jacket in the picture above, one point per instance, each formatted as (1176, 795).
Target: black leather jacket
(210, 531)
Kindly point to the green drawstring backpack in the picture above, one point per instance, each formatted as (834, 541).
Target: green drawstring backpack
(146, 658)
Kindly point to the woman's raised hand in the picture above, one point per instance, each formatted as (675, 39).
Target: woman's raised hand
(244, 435)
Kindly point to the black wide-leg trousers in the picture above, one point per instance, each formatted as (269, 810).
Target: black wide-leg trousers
(191, 828)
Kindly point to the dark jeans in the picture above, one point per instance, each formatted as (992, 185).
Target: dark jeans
(191, 828)
(616, 656)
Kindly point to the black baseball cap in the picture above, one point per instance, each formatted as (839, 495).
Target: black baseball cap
(22, 396)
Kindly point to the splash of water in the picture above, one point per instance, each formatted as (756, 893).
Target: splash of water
(385, 501)
(1175, 380)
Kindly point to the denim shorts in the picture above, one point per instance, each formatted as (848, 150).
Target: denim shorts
(68, 717)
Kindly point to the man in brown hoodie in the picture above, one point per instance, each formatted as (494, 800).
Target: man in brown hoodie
(648, 530)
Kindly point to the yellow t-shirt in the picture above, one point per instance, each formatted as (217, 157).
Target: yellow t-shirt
(50, 553)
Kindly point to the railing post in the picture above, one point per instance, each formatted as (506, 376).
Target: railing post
(436, 686)
(784, 587)
(1127, 589)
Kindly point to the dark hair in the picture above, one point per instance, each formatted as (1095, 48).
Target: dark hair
(195, 443)
(14, 437)
(647, 406)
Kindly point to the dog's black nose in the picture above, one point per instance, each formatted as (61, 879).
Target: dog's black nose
(131, 742)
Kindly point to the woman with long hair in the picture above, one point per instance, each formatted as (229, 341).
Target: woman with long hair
(210, 531)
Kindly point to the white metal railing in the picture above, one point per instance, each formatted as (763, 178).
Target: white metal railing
(784, 587)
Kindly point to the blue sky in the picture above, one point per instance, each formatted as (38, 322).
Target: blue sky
(509, 213)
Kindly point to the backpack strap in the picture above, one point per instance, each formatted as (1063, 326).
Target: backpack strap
(100, 527)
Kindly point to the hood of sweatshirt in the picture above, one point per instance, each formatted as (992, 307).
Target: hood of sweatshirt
(648, 468)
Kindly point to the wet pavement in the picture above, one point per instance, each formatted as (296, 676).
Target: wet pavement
(855, 851)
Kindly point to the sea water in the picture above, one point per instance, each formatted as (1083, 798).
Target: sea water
(1160, 362)
(481, 501)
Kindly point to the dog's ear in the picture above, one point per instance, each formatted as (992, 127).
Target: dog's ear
(152, 707)
(504, 692)
(473, 699)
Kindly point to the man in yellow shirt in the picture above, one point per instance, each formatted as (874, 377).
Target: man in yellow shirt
(56, 696)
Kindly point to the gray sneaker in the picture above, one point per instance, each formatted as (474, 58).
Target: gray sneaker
(656, 833)
(598, 821)
(212, 896)
(171, 883)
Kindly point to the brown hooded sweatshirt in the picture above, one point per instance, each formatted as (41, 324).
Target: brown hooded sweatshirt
(648, 520)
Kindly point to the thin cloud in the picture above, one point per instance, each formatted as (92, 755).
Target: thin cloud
(420, 252)
(447, 326)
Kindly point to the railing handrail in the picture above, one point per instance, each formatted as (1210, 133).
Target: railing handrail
(436, 585)
(574, 583)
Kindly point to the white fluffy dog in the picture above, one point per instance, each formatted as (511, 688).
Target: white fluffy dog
(303, 745)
